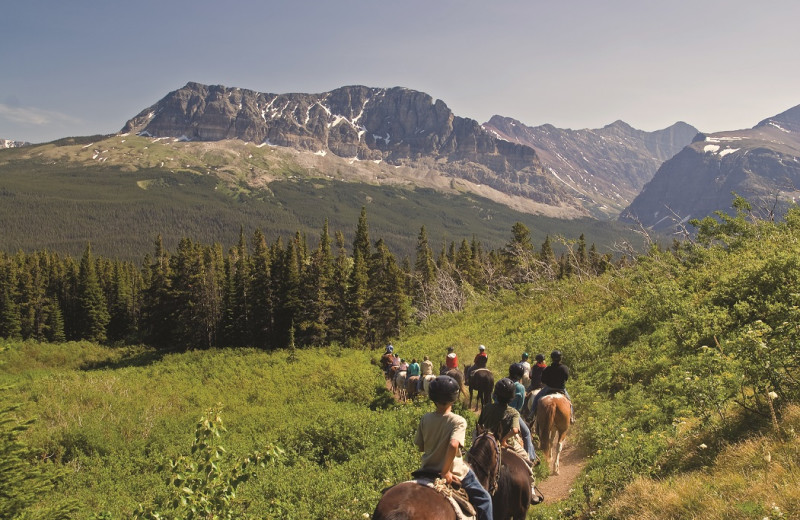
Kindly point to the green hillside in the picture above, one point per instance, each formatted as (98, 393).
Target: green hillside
(684, 374)
(119, 192)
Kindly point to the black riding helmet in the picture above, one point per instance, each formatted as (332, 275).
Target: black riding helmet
(504, 390)
(444, 390)
(516, 371)
(555, 355)
(540, 357)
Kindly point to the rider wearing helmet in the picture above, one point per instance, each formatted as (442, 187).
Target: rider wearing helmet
(503, 421)
(479, 362)
(536, 373)
(440, 436)
(386, 358)
(554, 379)
(515, 373)
(525, 364)
(451, 361)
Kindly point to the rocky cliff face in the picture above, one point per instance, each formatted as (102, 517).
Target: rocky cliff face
(761, 164)
(608, 166)
(7, 143)
(397, 125)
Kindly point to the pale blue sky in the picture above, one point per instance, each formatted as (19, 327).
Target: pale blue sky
(85, 67)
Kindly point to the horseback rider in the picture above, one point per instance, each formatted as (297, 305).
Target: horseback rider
(525, 365)
(386, 358)
(503, 420)
(536, 373)
(451, 361)
(479, 362)
(440, 436)
(426, 369)
(515, 373)
(554, 379)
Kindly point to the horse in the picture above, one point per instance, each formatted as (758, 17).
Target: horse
(409, 500)
(411, 387)
(552, 423)
(455, 374)
(399, 385)
(526, 406)
(505, 476)
(426, 382)
(482, 380)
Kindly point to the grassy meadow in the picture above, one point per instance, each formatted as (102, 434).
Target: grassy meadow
(684, 375)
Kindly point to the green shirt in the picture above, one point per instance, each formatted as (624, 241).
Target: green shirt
(499, 419)
(413, 369)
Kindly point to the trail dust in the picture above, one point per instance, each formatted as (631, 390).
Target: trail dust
(557, 487)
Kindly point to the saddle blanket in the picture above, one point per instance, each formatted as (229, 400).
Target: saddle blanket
(458, 504)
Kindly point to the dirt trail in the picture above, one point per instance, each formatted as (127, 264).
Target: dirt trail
(557, 487)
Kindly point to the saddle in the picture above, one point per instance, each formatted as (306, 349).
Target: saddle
(453, 492)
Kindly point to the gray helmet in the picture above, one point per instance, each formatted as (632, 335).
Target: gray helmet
(444, 390)
(516, 371)
(504, 390)
(555, 355)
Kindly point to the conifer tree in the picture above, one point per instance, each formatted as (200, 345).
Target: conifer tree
(424, 266)
(357, 293)
(92, 311)
(317, 305)
(361, 241)
(339, 291)
(157, 306)
(10, 326)
(387, 302)
(121, 324)
(261, 292)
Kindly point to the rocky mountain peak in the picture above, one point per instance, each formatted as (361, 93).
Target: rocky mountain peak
(399, 126)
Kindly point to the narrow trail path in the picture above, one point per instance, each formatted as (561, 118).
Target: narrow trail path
(557, 487)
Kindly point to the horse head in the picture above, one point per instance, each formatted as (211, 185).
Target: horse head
(484, 459)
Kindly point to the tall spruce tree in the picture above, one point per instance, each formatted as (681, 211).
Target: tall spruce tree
(92, 310)
(261, 317)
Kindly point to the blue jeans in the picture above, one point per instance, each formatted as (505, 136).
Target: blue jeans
(547, 391)
(478, 497)
(527, 441)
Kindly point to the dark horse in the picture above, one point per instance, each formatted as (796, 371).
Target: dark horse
(509, 482)
(482, 380)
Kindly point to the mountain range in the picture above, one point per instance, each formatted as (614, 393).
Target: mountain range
(272, 154)
(606, 167)
(761, 164)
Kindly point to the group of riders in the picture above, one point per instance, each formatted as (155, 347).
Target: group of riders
(441, 434)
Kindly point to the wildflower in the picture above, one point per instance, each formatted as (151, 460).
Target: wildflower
(768, 457)
(772, 395)
(703, 446)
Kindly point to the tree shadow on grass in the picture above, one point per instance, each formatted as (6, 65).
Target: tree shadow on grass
(130, 358)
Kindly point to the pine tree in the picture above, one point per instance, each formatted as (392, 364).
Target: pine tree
(361, 241)
(357, 293)
(387, 302)
(157, 305)
(92, 311)
(261, 292)
(339, 291)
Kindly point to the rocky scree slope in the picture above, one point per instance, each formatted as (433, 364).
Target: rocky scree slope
(607, 167)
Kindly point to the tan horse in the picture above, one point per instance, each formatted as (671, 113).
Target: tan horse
(552, 424)
(399, 385)
(426, 382)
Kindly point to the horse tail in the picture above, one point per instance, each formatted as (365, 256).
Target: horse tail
(545, 421)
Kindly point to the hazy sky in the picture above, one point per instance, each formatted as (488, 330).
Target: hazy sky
(85, 67)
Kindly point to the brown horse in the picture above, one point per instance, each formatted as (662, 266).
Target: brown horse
(412, 501)
(552, 423)
(482, 380)
(506, 476)
(411, 387)
(455, 374)
(409, 500)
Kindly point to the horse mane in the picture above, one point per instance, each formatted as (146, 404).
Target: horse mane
(484, 459)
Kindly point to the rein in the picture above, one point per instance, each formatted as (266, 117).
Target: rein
(496, 445)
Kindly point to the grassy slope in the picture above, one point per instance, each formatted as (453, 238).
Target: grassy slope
(60, 195)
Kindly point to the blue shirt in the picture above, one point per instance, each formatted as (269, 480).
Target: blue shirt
(413, 369)
(519, 396)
